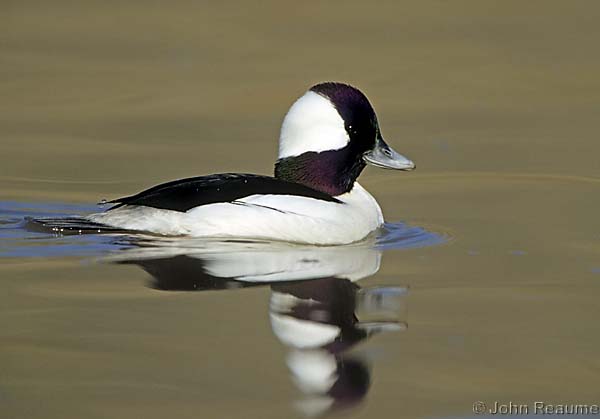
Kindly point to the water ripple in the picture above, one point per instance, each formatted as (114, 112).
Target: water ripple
(19, 240)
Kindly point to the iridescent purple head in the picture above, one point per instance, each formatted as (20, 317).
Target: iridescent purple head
(328, 136)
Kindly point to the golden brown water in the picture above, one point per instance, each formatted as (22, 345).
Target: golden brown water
(497, 102)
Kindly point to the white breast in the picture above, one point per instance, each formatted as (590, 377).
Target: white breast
(271, 217)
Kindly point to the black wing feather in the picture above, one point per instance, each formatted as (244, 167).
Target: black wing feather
(185, 194)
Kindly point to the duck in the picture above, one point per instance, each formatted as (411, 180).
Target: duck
(327, 138)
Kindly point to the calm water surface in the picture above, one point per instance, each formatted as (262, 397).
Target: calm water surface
(484, 286)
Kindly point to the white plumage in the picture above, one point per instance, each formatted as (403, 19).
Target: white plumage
(311, 124)
(270, 217)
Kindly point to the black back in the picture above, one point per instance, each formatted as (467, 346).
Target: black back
(185, 194)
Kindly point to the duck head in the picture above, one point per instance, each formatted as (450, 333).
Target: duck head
(328, 136)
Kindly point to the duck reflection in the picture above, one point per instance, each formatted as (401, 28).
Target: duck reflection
(316, 308)
(317, 320)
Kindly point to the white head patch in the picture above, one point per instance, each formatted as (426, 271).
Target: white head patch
(311, 124)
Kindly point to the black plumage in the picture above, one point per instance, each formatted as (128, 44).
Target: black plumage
(185, 194)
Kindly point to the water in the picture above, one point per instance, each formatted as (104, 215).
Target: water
(24, 234)
(491, 295)
(317, 311)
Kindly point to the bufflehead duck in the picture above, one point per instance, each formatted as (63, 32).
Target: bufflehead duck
(327, 137)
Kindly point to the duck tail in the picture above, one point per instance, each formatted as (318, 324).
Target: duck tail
(68, 226)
